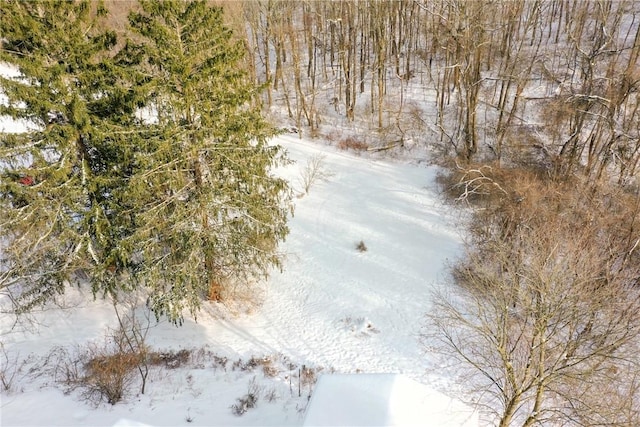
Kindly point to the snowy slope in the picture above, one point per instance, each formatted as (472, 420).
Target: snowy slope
(332, 307)
(349, 309)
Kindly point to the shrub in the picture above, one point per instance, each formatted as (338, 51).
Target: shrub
(474, 184)
(104, 372)
(108, 376)
(243, 404)
(352, 143)
(248, 401)
(101, 372)
(361, 247)
(170, 359)
(269, 369)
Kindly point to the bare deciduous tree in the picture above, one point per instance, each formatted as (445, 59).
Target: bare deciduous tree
(545, 322)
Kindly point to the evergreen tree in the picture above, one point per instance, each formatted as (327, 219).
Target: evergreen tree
(182, 206)
(63, 184)
(214, 213)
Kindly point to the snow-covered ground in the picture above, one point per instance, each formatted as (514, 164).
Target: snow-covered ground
(382, 399)
(332, 308)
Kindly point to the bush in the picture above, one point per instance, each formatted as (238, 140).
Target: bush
(109, 375)
(101, 372)
(104, 372)
(248, 401)
(475, 184)
(352, 143)
(170, 359)
(243, 404)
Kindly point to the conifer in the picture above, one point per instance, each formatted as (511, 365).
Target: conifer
(63, 183)
(179, 205)
(213, 210)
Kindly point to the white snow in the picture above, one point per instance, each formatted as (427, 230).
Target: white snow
(382, 400)
(128, 423)
(9, 71)
(332, 308)
(7, 124)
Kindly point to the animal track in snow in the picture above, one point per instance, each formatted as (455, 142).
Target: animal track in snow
(360, 326)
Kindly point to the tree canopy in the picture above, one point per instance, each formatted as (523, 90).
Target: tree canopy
(180, 204)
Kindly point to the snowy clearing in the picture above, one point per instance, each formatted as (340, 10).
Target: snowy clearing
(334, 308)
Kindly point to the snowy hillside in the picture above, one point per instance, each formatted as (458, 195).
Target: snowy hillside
(333, 308)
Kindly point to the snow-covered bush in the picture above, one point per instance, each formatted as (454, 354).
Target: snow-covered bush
(248, 401)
